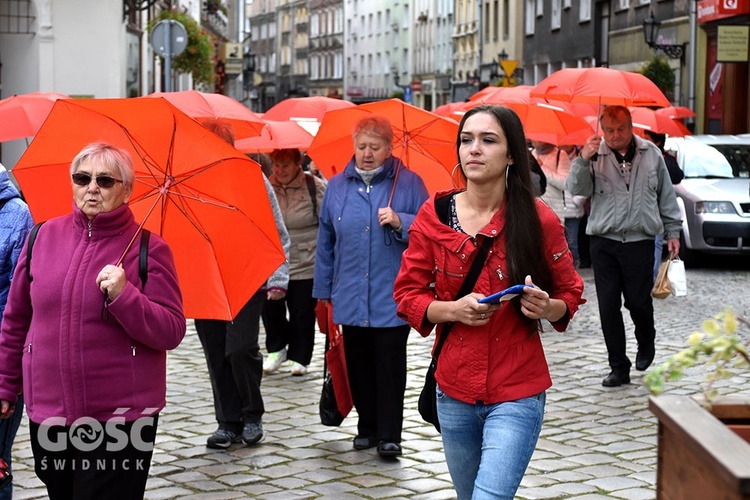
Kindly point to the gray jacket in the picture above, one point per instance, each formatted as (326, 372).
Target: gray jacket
(648, 208)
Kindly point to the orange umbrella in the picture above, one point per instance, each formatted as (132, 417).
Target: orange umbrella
(600, 86)
(424, 141)
(676, 112)
(202, 105)
(203, 196)
(553, 122)
(649, 119)
(276, 135)
(22, 115)
(305, 108)
(447, 110)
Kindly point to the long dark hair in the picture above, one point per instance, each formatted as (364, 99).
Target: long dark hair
(524, 239)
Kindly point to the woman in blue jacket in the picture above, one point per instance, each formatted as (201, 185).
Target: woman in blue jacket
(364, 221)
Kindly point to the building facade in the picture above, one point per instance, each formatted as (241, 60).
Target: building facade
(327, 48)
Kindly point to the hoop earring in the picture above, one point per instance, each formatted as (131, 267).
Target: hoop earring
(507, 169)
(457, 183)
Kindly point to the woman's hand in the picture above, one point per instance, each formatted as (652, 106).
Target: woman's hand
(111, 281)
(386, 216)
(470, 312)
(7, 409)
(536, 304)
(275, 294)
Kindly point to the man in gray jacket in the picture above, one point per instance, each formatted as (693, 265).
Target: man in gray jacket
(632, 200)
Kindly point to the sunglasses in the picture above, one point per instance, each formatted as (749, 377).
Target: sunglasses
(103, 181)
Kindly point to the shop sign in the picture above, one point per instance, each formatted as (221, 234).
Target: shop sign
(713, 10)
(732, 43)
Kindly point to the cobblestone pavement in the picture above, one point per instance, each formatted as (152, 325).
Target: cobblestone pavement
(596, 442)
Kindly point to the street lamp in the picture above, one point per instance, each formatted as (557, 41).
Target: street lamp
(651, 34)
(396, 77)
(248, 70)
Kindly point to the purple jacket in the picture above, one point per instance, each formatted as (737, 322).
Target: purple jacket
(54, 342)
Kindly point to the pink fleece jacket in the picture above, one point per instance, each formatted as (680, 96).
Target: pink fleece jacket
(55, 343)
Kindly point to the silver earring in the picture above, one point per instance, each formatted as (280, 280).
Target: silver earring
(507, 169)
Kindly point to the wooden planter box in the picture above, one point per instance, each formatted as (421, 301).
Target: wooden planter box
(701, 452)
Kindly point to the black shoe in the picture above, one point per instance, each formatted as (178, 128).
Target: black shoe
(364, 443)
(222, 439)
(388, 449)
(615, 379)
(252, 432)
(644, 358)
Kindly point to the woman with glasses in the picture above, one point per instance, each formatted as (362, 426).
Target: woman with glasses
(364, 221)
(85, 334)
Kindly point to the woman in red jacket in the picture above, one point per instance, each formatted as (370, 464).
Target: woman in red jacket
(492, 374)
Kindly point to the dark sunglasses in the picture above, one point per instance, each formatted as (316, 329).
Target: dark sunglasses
(103, 181)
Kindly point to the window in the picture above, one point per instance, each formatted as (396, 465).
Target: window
(539, 8)
(567, 4)
(555, 22)
(623, 4)
(585, 11)
(530, 16)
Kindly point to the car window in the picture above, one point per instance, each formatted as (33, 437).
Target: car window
(738, 156)
(700, 160)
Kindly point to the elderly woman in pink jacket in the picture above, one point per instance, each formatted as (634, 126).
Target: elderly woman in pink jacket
(86, 340)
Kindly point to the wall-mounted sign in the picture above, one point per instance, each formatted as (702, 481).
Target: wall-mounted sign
(231, 54)
(732, 43)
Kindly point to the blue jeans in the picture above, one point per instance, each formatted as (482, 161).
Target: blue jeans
(571, 234)
(488, 447)
(8, 429)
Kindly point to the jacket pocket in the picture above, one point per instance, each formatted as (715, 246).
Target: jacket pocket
(450, 271)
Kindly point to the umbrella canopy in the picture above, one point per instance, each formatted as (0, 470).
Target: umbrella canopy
(448, 110)
(649, 119)
(676, 112)
(203, 196)
(424, 141)
(276, 135)
(203, 105)
(22, 115)
(305, 108)
(600, 86)
(552, 122)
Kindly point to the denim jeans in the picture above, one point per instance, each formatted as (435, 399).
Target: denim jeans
(488, 447)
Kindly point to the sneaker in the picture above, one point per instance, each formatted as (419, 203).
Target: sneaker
(222, 439)
(252, 432)
(274, 361)
(297, 369)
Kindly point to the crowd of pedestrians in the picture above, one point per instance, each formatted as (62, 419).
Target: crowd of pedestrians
(84, 338)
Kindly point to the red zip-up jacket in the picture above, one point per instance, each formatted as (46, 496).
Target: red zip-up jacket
(500, 361)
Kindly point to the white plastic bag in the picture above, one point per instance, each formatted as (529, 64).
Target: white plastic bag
(677, 277)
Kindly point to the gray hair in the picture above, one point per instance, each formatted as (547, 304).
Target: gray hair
(116, 159)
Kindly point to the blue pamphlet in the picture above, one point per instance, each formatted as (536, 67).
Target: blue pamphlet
(506, 294)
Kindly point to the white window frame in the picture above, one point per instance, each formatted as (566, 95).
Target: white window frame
(556, 16)
(530, 17)
(584, 10)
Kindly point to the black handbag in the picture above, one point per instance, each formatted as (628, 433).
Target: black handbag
(329, 410)
(427, 403)
(5, 476)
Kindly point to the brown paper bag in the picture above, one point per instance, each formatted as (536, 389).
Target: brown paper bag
(661, 289)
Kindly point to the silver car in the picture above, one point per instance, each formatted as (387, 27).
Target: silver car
(714, 196)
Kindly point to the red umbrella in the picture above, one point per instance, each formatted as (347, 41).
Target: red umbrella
(600, 86)
(203, 196)
(449, 109)
(276, 135)
(203, 105)
(553, 122)
(424, 141)
(22, 115)
(676, 112)
(305, 108)
(649, 119)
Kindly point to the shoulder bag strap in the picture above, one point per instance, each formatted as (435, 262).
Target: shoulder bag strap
(29, 248)
(466, 287)
(143, 257)
(310, 180)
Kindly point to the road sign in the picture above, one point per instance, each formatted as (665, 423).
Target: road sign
(407, 94)
(169, 36)
(509, 66)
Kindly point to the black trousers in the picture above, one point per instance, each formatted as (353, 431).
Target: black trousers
(72, 471)
(235, 364)
(297, 333)
(376, 362)
(624, 269)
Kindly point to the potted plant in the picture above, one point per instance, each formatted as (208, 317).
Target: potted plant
(704, 442)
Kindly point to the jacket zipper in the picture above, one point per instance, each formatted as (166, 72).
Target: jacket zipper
(132, 347)
(28, 349)
(89, 229)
